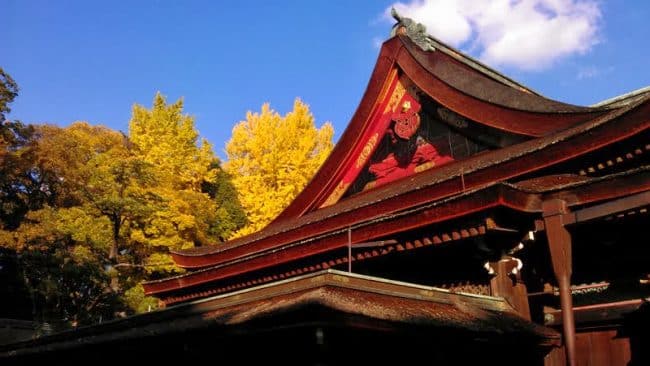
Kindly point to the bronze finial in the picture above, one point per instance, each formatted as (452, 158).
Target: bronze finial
(417, 32)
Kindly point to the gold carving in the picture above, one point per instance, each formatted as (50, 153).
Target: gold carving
(424, 166)
(369, 185)
(367, 150)
(397, 95)
(386, 87)
(338, 192)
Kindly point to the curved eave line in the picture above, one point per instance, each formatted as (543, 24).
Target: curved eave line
(468, 91)
(446, 180)
(496, 195)
(485, 101)
(339, 296)
(457, 82)
(314, 245)
(481, 82)
(399, 51)
(326, 178)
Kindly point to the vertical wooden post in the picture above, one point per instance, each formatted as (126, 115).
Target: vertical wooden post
(559, 243)
(349, 249)
(509, 285)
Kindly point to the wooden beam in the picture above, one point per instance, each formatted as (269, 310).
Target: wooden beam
(596, 312)
(624, 204)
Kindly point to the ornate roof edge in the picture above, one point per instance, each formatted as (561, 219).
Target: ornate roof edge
(519, 150)
(417, 32)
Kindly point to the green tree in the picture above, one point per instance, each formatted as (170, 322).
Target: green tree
(62, 264)
(21, 187)
(8, 92)
(75, 248)
(272, 157)
(101, 174)
(69, 198)
(230, 216)
(87, 213)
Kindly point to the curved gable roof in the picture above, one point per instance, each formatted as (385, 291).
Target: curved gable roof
(549, 131)
(456, 82)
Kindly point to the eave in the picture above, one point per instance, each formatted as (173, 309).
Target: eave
(469, 91)
(554, 133)
(577, 193)
(326, 298)
(433, 185)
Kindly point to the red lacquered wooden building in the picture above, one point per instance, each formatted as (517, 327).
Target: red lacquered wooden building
(461, 214)
(452, 175)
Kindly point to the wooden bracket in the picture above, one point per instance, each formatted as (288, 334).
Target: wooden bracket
(507, 283)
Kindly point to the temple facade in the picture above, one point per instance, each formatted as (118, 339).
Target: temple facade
(461, 215)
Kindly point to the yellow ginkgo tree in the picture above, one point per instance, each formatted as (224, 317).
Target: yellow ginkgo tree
(191, 212)
(272, 157)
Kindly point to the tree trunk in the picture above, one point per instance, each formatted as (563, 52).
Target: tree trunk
(112, 255)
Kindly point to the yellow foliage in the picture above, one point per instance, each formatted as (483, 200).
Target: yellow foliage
(161, 263)
(71, 153)
(271, 158)
(183, 220)
(45, 226)
(167, 139)
(83, 227)
(136, 300)
(82, 254)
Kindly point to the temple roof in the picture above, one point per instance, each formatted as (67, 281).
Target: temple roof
(436, 177)
(328, 297)
(525, 196)
(623, 99)
(432, 43)
(532, 133)
(468, 92)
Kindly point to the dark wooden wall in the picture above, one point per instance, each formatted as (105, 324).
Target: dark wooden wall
(595, 348)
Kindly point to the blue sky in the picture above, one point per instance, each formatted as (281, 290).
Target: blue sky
(91, 60)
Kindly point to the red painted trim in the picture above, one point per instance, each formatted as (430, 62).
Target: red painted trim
(298, 234)
(333, 169)
(420, 67)
(481, 200)
(473, 203)
(480, 85)
(432, 185)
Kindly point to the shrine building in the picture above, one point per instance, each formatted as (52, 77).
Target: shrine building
(461, 216)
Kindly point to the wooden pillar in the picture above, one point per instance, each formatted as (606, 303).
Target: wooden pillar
(507, 283)
(559, 243)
